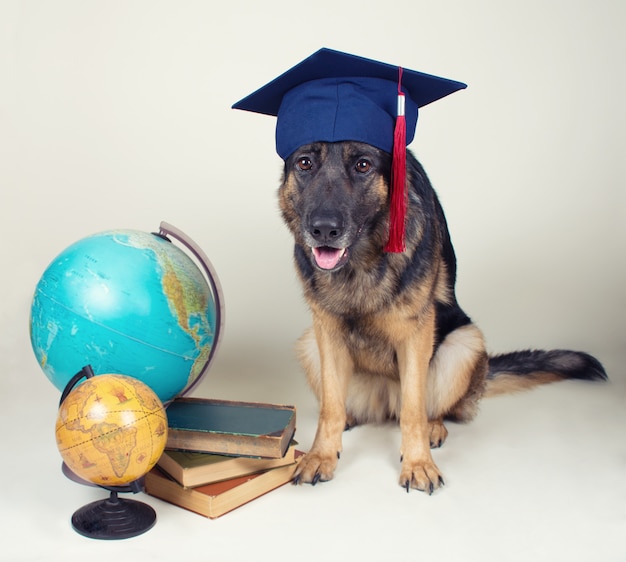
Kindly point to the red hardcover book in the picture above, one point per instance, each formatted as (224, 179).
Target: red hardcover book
(218, 498)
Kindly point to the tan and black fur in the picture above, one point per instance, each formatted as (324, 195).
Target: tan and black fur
(389, 340)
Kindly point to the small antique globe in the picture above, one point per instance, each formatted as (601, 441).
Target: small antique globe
(111, 430)
(127, 302)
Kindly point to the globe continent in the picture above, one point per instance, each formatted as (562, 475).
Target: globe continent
(127, 302)
(111, 430)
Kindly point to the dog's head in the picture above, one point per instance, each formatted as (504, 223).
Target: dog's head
(334, 199)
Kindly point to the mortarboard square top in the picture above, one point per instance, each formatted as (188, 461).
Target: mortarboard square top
(333, 96)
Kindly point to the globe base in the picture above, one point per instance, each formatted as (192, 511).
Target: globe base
(113, 518)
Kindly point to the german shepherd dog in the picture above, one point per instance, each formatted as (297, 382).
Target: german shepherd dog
(389, 340)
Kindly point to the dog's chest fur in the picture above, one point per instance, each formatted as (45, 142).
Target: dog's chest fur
(367, 321)
(370, 347)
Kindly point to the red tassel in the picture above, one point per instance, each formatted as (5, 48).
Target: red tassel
(398, 188)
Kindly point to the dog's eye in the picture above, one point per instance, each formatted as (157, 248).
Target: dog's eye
(304, 163)
(363, 166)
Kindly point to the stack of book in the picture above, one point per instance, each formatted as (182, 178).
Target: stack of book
(222, 454)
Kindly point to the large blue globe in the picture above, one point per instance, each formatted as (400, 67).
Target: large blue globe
(125, 302)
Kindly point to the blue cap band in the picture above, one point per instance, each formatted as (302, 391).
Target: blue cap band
(339, 109)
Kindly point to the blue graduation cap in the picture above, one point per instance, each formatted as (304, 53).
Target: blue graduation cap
(334, 96)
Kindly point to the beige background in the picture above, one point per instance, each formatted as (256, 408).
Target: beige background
(117, 114)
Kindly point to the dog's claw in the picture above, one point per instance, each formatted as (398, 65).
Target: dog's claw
(296, 480)
(316, 478)
(338, 454)
(407, 485)
(441, 482)
(431, 489)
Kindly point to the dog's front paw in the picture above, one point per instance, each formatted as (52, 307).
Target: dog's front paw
(316, 467)
(420, 475)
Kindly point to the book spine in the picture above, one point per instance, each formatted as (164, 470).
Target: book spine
(221, 444)
(231, 468)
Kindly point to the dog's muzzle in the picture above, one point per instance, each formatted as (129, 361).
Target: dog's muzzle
(326, 234)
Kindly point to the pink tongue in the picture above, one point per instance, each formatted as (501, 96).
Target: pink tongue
(327, 258)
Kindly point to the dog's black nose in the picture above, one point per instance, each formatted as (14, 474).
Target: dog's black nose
(326, 226)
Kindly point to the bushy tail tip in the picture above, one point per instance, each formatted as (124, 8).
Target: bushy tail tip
(522, 370)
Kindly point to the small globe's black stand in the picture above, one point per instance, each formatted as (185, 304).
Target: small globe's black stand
(114, 517)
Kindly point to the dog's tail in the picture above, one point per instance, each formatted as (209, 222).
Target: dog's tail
(521, 370)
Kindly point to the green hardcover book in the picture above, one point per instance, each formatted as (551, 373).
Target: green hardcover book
(192, 469)
(225, 427)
